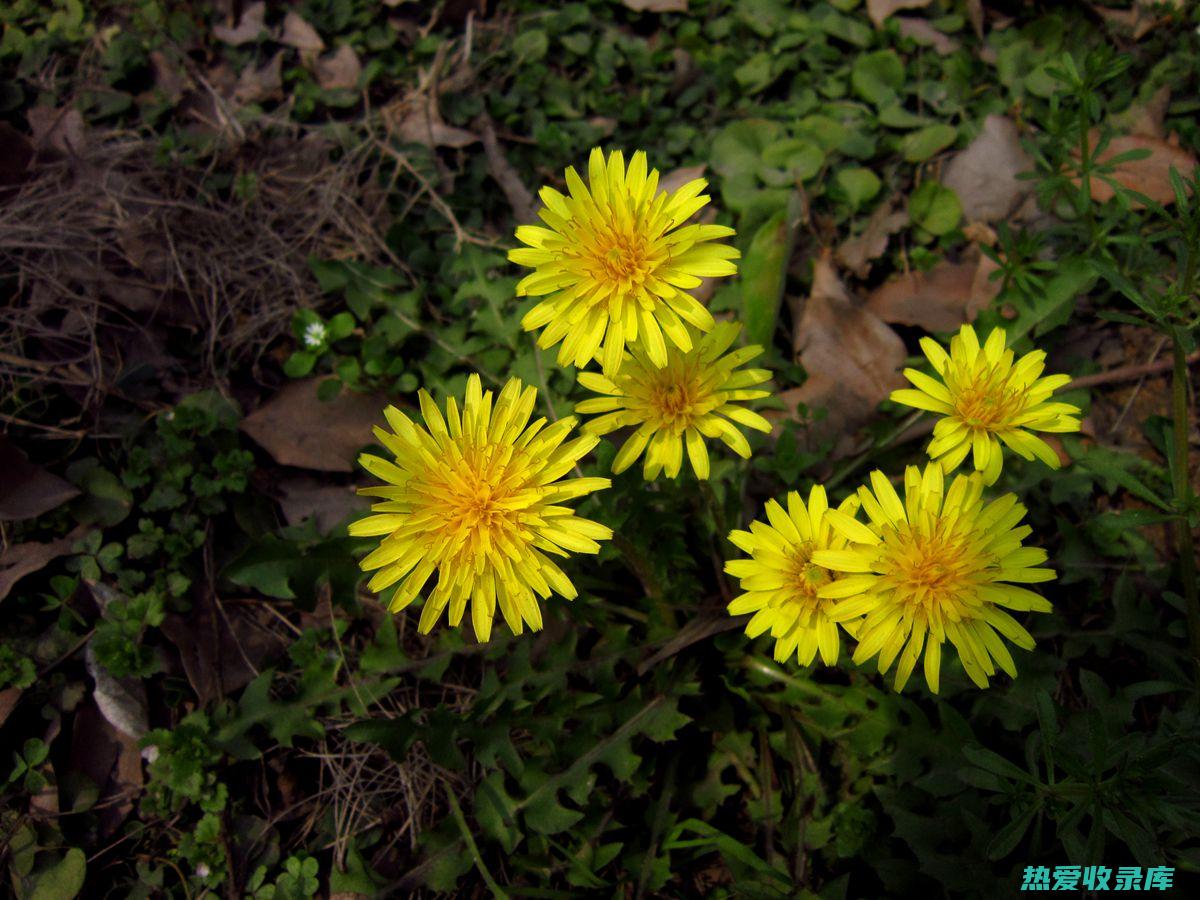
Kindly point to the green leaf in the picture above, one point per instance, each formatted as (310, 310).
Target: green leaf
(857, 185)
(1053, 306)
(935, 208)
(546, 815)
(299, 364)
(921, 145)
(877, 76)
(791, 160)
(332, 275)
(496, 812)
(1010, 835)
(764, 272)
(531, 45)
(61, 879)
(340, 326)
(993, 762)
(289, 571)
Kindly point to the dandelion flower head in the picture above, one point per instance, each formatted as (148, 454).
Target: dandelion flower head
(986, 398)
(476, 497)
(614, 265)
(782, 584)
(941, 565)
(696, 395)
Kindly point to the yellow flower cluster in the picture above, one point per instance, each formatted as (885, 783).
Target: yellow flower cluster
(476, 496)
(940, 565)
(614, 265)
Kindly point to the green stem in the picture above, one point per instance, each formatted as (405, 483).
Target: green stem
(1183, 493)
(465, 831)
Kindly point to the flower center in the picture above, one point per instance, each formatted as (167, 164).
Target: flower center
(804, 579)
(987, 403)
(932, 571)
(621, 256)
(678, 398)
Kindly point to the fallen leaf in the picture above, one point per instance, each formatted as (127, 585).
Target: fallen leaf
(677, 178)
(851, 356)
(941, 299)
(122, 701)
(27, 491)
(857, 253)
(880, 10)
(19, 560)
(304, 498)
(984, 174)
(339, 70)
(299, 34)
(248, 28)
(420, 122)
(221, 653)
(262, 83)
(1142, 18)
(657, 6)
(921, 31)
(1146, 118)
(60, 130)
(1149, 176)
(975, 15)
(111, 760)
(9, 698)
(502, 171)
(298, 429)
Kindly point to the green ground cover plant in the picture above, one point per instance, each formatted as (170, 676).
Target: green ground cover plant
(232, 234)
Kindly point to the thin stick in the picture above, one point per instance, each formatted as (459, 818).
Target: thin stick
(1129, 373)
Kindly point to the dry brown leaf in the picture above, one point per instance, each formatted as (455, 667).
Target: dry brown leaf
(1146, 118)
(9, 697)
(941, 299)
(26, 490)
(1142, 19)
(262, 83)
(122, 701)
(19, 560)
(657, 6)
(880, 10)
(984, 175)
(303, 498)
(926, 35)
(339, 70)
(299, 34)
(857, 253)
(417, 120)
(111, 760)
(221, 654)
(1149, 176)
(61, 130)
(851, 356)
(248, 28)
(297, 429)
(975, 16)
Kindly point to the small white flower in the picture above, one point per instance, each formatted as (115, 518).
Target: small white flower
(150, 753)
(202, 871)
(314, 334)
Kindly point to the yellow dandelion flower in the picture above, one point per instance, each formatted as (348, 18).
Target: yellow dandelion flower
(476, 497)
(986, 398)
(696, 395)
(615, 267)
(932, 568)
(781, 580)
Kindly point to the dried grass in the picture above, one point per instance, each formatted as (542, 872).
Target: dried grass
(113, 243)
